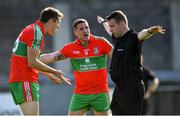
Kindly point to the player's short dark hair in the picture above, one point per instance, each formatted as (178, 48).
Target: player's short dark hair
(50, 13)
(78, 21)
(118, 16)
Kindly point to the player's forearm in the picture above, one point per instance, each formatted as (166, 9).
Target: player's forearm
(49, 75)
(42, 67)
(47, 58)
(45, 73)
(34, 62)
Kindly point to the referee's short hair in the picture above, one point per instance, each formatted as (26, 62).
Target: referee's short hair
(50, 13)
(118, 16)
(78, 21)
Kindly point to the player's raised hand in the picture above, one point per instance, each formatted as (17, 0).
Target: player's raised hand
(99, 19)
(156, 29)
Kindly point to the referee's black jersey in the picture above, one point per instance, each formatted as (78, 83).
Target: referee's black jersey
(125, 64)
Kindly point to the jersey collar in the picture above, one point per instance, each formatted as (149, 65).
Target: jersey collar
(41, 26)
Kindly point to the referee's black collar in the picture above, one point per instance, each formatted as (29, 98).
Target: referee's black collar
(131, 30)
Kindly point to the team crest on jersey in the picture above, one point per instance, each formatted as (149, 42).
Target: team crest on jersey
(96, 50)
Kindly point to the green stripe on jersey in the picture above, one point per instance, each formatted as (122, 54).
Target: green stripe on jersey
(37, 37)
(21, 49)
(90, 63)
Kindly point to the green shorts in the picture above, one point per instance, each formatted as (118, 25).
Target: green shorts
(24, 91)
(98, 102)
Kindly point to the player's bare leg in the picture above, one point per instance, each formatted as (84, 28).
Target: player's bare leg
(78, 113)
(101, 113)
(30, 108)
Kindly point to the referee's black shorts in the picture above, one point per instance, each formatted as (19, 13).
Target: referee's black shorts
(128, 99)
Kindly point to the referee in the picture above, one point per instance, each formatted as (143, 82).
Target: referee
(126, 70)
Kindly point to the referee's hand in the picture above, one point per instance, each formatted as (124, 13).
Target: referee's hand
(156, 29)
(99, 19)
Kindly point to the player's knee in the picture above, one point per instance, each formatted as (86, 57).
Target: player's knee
(101, 113)
(81, 112)
(30, 108)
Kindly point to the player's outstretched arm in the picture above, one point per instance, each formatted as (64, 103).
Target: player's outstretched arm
(34, 62)
(147, 33)
(52, 57)
(52, 77)
(103, 22)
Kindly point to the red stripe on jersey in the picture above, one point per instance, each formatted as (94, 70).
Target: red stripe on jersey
(31, 91)
(24, 92)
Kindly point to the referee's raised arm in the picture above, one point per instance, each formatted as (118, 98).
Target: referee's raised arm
(147, 33)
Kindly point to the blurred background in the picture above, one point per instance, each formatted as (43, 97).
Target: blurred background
(161, 52)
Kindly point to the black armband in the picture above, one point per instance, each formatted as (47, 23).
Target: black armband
(149, 31)
(103, 21)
